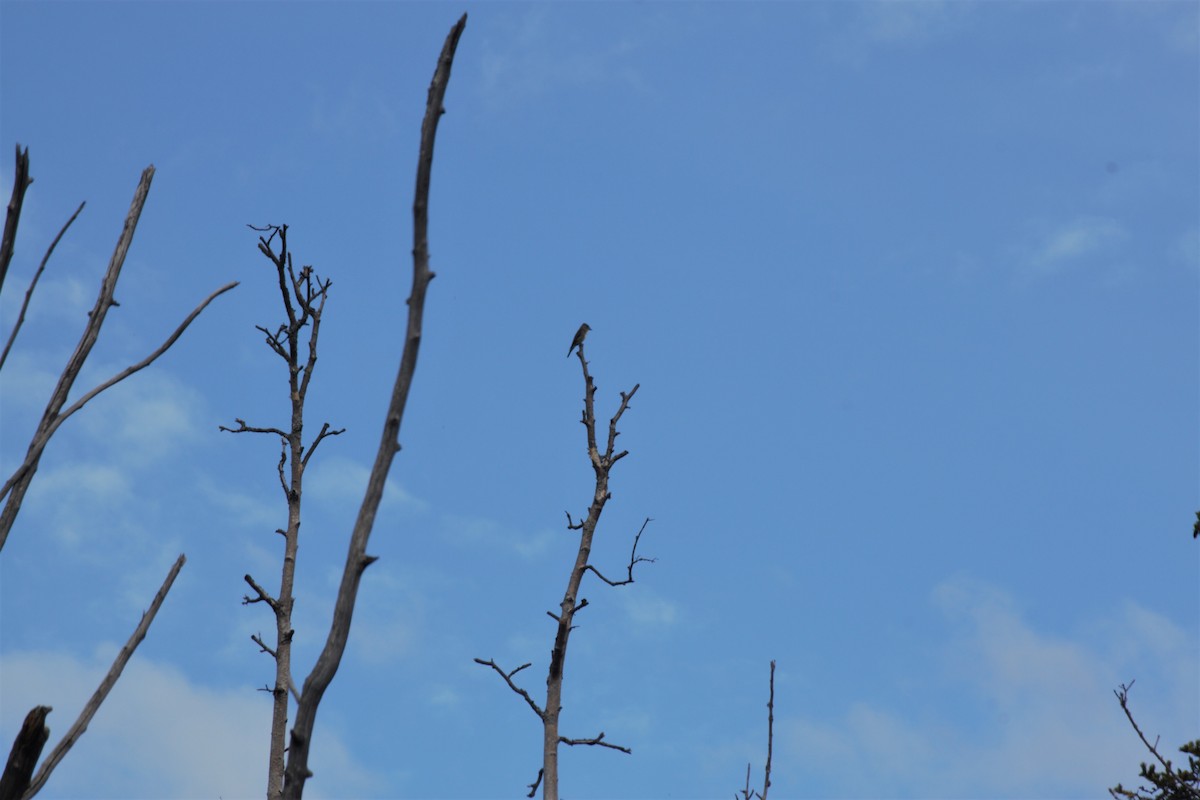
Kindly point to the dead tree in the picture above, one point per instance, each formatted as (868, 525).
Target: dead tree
(304, 296)
(602, 463)
(19, 779)
(747, 793)
(14, 489)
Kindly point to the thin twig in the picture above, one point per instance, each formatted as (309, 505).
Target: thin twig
(1123, 698)
(597, 741)
(770, 735)
(634, 559)
(507, 676)
(33, 284)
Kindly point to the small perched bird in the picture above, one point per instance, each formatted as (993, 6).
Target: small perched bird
(578, 340)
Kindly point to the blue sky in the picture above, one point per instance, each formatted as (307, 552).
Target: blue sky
(911, 293)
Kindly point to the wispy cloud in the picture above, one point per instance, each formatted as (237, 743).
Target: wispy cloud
(476, 531)
(337, 480)
(644, 608)
(1054, 727)
(533, 57)
(1074, 242)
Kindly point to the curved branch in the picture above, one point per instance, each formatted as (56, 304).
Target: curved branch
(33, 284)
(357, 560)
(19, 482)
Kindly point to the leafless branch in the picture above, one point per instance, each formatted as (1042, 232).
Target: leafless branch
(748, 793)
(17, 485)
(324, 432)
(263, 595)
(21, 182)
(1123, 698)
(597, 741)
(114, 672)
(148, 360)
(33, 284)
(634, 559)
(533, 786)
(262, 646)
(357, 560)
(507, 676)
(770, 735)
(244, 428)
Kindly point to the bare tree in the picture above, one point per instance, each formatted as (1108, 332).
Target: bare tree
(17, 485)
(602, 464)
(304, 295)
(747, 793)
(18, 779)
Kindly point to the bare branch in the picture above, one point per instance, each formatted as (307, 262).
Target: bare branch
(148, 360)
(244, 428)
(770, 735)
(21, 182)
(507, 676)
(597, 741)
(357, 560)
(18, 483)
(1123, 698)
(33, 284)
(612, 427)
(257, 639)
(324, 432)
(533, 786)
(114, 672)
(747, 793)
(263, 595)
(634, 559)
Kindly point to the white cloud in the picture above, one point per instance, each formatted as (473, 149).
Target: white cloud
(158, 734)
(1053, 728)
(338, 481)
(256, 513)
(475, 531)
(1075, 242)
(445, 696)
(530, 59)
(644, 608)
(150, 414)
(55, 299)
(1077, 239)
